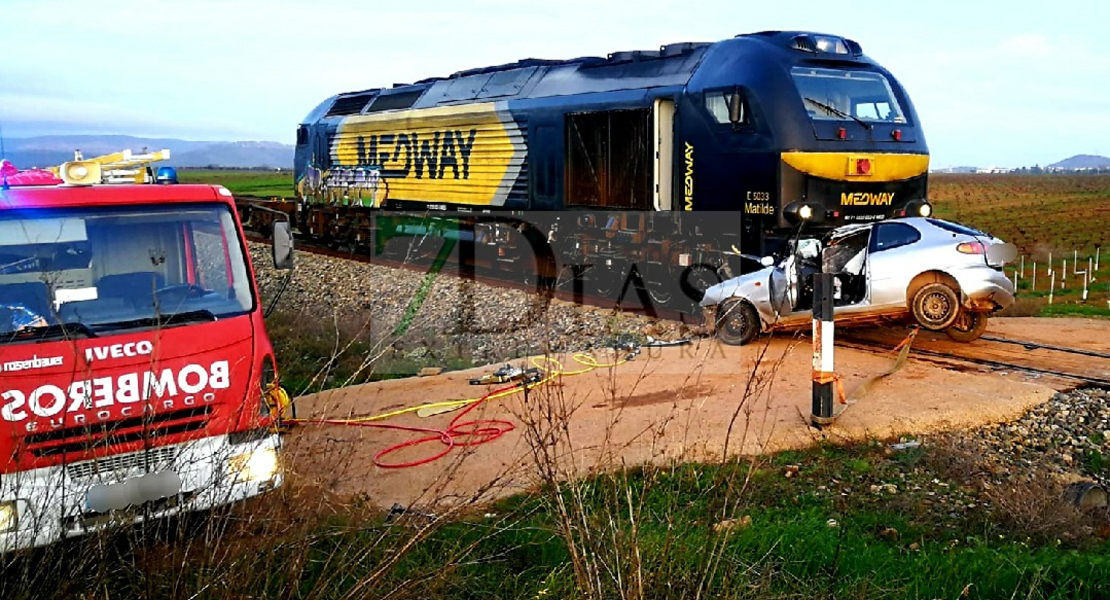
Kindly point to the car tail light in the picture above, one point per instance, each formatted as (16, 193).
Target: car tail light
(971, 248)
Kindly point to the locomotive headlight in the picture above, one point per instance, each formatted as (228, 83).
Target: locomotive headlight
(925, 210)
(796, 212)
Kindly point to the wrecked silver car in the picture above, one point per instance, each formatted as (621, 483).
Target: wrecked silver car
(943, 275)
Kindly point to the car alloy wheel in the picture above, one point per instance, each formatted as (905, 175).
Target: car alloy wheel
(935, 306)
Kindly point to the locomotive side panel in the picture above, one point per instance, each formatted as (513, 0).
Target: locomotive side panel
(471, 155)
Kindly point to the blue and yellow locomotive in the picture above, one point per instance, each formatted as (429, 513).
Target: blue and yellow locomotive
(674, 161)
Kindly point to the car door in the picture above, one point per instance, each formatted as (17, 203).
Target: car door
(890, 265)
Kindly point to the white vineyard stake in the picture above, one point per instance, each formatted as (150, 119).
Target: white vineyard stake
(1034, 287)
(1074, 262)
(1097, 249)
(1063, 276)
(1048, 269)
(1091, 270)
(1051, 287)
(1023, 266)
(1084, 286)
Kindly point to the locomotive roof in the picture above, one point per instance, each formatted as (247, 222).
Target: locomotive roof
(670, 65)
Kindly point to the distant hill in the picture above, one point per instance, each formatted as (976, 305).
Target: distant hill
(51, 150)
(1082, 161)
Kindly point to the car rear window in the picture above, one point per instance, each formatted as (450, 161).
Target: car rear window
(955, 227)
(893, 235)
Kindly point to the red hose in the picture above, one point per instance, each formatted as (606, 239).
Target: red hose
(481, 430)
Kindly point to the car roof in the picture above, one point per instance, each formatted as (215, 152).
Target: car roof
(916, 222)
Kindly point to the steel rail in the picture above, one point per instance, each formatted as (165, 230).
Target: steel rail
(1099, 382)
(1028, 345)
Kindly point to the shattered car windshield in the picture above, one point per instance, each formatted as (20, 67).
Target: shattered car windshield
(84, 271)
(841, 95)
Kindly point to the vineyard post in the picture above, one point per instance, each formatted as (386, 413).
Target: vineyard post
(1098, 247)
(1023, 266)
(1084, 286)
(1074, 262)
(1090, 270)
(1051, 287)
(1064, 276)
(1049, 269)
(1033, 288)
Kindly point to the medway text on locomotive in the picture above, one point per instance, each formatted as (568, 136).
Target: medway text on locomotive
(676, 165)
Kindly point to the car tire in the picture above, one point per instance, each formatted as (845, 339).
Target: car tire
(737, 322)
(967, 327)
(935, 306)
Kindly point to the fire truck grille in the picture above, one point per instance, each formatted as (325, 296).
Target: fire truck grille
(82, 439)
(156, 459)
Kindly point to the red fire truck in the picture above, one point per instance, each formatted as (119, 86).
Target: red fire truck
(136, 377)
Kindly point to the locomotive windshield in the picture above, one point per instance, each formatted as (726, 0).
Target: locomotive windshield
(93, 270)
(839, 95)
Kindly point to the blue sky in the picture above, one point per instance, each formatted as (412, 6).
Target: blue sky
(994, 83)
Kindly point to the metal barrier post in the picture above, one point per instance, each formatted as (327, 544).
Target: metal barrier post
(823, 375)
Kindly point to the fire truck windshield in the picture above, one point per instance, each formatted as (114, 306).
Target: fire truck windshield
(837, 94)
(85, 271)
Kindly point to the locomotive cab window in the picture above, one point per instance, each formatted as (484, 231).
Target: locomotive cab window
(840, 95)
(727, 107)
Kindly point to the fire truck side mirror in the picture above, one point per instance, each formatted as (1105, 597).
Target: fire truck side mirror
(283, 246)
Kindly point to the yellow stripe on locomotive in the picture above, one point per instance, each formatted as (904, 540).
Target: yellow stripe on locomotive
(469, 154)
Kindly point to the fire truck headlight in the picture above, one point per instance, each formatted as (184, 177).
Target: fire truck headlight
(258, 465)
(9, 516)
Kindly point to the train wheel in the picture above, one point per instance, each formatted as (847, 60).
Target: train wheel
(604, 281)
(660, 285)
(967, 327)
(935, 306)
(696, 279)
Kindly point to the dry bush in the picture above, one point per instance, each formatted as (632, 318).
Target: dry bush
(1027, 505)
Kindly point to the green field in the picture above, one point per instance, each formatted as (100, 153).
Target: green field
(1062, 216)
(265, 184)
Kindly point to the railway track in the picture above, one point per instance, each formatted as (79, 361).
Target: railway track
(630, 299)
(1060, 367)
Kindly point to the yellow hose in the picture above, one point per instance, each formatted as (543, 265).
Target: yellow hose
(550, 366)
